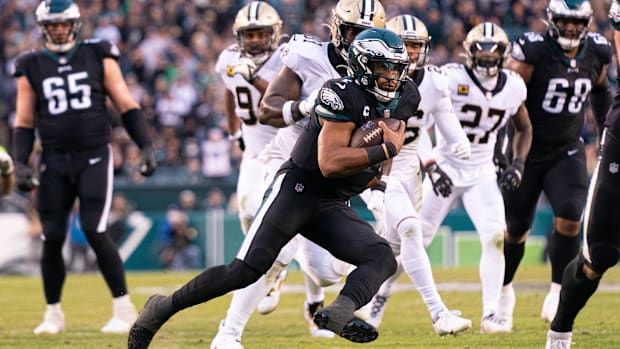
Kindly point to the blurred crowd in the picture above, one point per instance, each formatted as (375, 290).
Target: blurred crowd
(169, 49)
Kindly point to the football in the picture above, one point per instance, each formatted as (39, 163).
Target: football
(370, 134)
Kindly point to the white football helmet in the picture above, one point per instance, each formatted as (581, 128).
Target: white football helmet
(374, 51)
(487, 38)
(258, 15)
(358, 14)
(561, 11)
(58, 11)
(412, 30)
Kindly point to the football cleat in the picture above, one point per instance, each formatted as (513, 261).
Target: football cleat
(315, 331)
(377, 310)
(550, 306)
(450, 322)
(558, 340)
(122, 320)
(506, 304)
(53, 322)
(226, 340)
(494, 324)
(355, 329)
(157, 310)
(269, 303)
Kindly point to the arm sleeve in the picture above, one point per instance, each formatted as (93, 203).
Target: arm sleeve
(425, 147)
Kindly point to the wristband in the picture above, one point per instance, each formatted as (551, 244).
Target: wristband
(287, 113)
(380, 152)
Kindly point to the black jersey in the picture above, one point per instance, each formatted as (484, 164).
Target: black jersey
(342, 100)
(70, 96)
(559, 86)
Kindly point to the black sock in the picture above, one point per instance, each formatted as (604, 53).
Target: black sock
(576, 290)
(513, 253)
(562, 249)
(109, 262)
(52, 270)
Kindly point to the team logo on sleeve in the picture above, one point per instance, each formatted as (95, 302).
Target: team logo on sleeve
(230, 70)
(517, 51)
(114, 50)
(462, 90)
(329, 97)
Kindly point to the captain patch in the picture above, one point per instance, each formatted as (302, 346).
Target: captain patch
(230, 70)
(462, 90)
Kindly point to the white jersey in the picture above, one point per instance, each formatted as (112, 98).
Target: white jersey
(434, 105)
(247, 97)
(481, 113)
(309, 59)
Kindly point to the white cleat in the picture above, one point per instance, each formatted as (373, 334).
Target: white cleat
(450, 322)
(226, 339)
(122, 320)
(506, 304)
(315, 331)
(269, 303)
(558, 340)
(494, 324)
(53, 322)
(550, 306)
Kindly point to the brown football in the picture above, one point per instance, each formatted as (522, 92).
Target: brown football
(370, 134)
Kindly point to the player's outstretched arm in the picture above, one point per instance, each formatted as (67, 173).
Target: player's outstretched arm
(510, 178)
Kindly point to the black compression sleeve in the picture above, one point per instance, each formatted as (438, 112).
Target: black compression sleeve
(23, 139)
(600, 98)
(136, 126)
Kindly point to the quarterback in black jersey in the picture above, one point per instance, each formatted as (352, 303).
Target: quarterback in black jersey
(61, 91)
(562, 67)
(310, 194)
(601, 228)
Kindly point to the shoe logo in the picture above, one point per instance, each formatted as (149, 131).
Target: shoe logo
(613, 167)
(299, 187)
(572, 152)
(94, 160)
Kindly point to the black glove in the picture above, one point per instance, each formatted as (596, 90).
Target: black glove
(24, 178)
(442, 184)
(148, 164)
(510, 178)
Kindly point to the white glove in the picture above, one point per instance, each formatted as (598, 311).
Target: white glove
(376, 204)
(306, 105)
(461, 150)
(614, 15)
(6, 163)
(245, 67)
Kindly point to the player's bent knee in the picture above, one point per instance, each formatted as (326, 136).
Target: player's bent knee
(244, 274)
(492, 240)
(567, 226)
(514, 238)
(385, 259)
(602, 257)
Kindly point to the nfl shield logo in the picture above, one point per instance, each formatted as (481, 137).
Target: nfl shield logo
(299, 187)
(613, 167)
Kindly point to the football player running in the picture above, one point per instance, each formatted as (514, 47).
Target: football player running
(403, 192)
(62, 91)
(600, 250)
(561, 68)
(246, 68)
(485, 97)
(310, 195)
(287, 103)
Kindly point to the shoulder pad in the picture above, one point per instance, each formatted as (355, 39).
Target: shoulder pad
(104, 47)
(227, 58)
(334, 97)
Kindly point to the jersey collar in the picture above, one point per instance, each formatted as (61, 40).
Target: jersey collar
(501, 82)
(63, 58)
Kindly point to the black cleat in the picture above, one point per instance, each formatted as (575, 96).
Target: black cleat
(157, 310)
(356, 330)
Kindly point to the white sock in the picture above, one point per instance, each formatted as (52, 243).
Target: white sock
(55, 307)
(122, 301)
(491, 271)
(242, 306)
(418, 267)
(314, 292)
(555, 288)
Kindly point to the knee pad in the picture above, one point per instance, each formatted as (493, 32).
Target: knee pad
(601, 257)
(409, 228)
(492, 240)
(383, 257)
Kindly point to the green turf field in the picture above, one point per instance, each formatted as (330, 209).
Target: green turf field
(87, 307)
